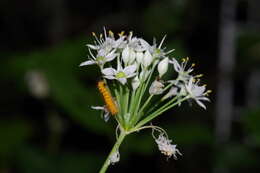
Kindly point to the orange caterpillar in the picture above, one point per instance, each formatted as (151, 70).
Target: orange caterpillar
(110, 103)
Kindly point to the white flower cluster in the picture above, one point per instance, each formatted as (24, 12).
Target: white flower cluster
(131, 60)
(133, 72)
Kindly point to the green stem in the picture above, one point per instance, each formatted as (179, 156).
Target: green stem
(160, 111)
(114, 149)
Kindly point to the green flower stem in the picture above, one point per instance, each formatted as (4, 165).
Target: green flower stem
(160, 111)
(150, 97)
(114, 149)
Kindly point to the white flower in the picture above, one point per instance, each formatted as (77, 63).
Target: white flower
(166, 147)
(101, 58)
(156, 88)
(196, 92)
(105, 111)
(183, 73)
(163, 67)
(147, 59)
(135, 83)
(107, 43)
(159, 52)
(128, 55)
(115, 157)
(120, 74)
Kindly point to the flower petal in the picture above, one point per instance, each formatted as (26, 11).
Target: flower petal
(130, 70)
(122, 80)
(109, 71)
(89, 62)
(98, 107)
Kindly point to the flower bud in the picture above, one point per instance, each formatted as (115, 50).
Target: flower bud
(147, 59)
(135, 83)
(126, 55)
(163, 67)
(132, 56)
(139, 57)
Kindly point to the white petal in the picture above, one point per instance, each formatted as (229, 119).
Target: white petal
(200, 104)
(176, 65)
(106, 116)
(98, 107)
(93, 46)
(122, 80)
(89, 62)
(109, 77)
(130, 70)
(109, 71)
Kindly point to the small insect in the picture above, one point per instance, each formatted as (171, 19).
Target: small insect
(109, 101)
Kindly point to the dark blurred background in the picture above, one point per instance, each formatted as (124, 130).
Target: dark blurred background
(47, 126)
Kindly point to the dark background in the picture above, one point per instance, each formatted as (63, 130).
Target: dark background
(46, 124)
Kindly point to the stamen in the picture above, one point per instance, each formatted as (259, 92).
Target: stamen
(111, 33)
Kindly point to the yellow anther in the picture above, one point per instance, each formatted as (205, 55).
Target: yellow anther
(94, 34)
(187, 59)
(209, 91)
(183, 59)
(111, 33)
(205, 85)
(121, 33)
(198, 76)
(101, 35)
(193, 64)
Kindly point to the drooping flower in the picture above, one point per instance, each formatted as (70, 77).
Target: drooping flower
(121, 74)
(166, 147)
(196, 92)
(156, 88)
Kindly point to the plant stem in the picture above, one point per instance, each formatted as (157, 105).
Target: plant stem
(114, 149)
(160, 111)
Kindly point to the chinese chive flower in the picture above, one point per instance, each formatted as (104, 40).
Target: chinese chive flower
(135, 87)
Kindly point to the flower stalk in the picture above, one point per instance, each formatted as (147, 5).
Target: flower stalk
(135, 87)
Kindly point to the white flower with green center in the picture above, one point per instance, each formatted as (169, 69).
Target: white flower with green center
(120, 74)
(100, 59)
(198, 93)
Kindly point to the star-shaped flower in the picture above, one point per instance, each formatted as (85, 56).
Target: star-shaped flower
(121, 74)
